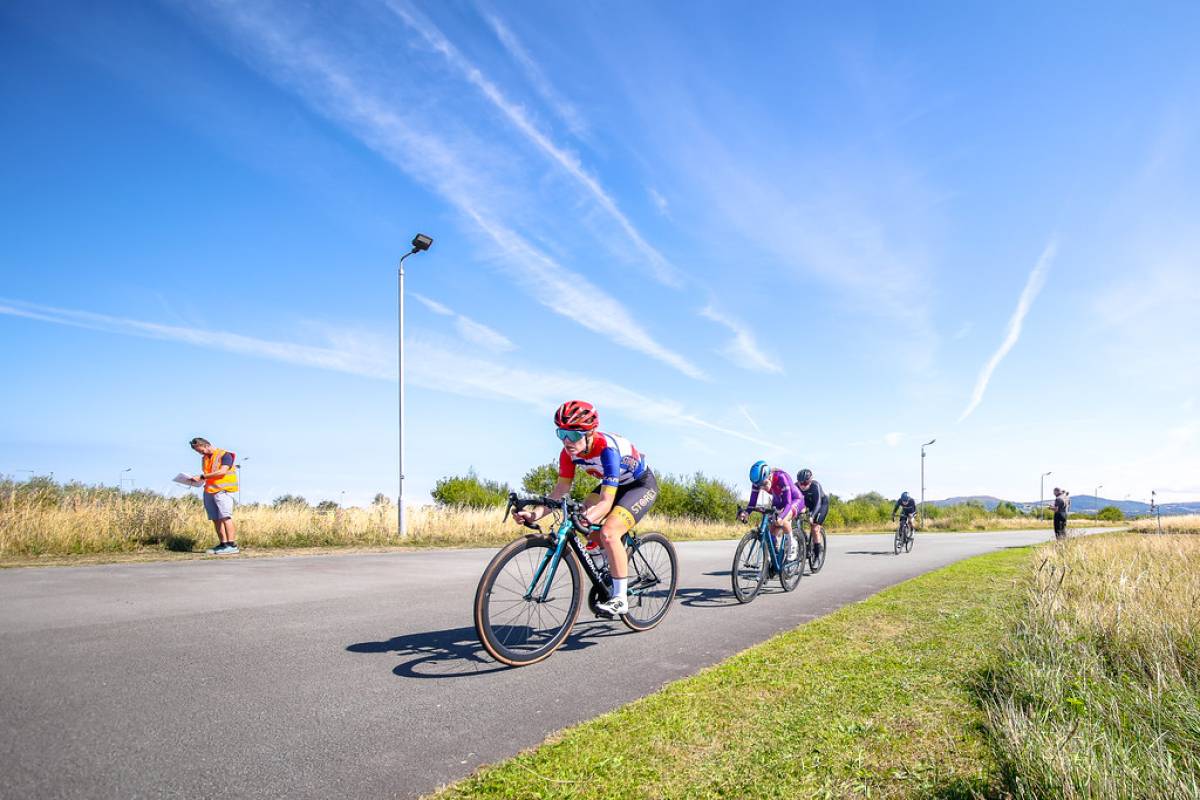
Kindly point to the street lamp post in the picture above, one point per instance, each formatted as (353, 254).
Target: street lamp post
(238, 467)
(931, 441)
(420, 242)
(1096, 496)
(121, 480)
(1042, 496)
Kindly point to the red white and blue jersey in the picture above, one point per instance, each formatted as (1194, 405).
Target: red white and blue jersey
(612, 458)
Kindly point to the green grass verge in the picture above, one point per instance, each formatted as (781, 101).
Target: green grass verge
(874, 700)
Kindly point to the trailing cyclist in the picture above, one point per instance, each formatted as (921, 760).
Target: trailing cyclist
(626, 492)
(817, 503)
(907, 506)
(786, 499)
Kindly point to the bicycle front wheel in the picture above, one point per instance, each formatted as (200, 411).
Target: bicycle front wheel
(793, 570)
(909, 536)
(653, 577)
(898, 541)
(749, 568)
(515, 625)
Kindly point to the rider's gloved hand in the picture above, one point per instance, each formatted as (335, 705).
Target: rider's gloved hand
(743, 516)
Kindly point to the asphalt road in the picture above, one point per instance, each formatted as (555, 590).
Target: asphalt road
(346, 675)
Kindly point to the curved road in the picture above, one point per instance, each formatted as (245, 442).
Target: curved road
(346, 675)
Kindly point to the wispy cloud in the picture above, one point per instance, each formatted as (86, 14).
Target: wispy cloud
(743, 350)
(328, 85)
(893, 439)
(565, 110)
(344, 356)
(474, 332)
(746, 413)
(659, 201)
(570, 163)
(1033, 285)
(430, 365)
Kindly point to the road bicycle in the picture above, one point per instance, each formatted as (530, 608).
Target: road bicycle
(757, 558)
(903, 541)
(530, 594)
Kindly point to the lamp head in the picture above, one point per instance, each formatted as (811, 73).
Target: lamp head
(421, 242)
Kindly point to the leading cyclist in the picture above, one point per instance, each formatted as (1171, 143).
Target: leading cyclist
(817, 503)
(626, 492)
(786, 499)
(908, 506)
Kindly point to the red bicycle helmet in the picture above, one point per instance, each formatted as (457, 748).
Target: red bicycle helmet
(576, 415)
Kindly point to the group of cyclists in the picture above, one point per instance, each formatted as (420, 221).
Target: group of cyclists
(628, 489)
(530, 593)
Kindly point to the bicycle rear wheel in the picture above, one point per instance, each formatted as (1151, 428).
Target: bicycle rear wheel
(816, 558)
(653, 576)
(793, 570)
(515, 626)
(749, 568)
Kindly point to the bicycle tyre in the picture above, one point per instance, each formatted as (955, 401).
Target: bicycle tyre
(793, 571)
(497, 625)
(898, 540)
(751, 569)
(816, 561)
(654, 554)
(909, 538)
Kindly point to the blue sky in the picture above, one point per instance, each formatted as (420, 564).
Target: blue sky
(817, 236)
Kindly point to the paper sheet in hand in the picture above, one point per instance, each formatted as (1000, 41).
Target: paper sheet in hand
(186, 480)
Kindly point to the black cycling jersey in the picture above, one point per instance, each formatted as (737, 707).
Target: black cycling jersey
(816, 501)
(909, 508)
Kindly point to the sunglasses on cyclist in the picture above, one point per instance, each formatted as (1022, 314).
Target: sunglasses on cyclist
(570, 436)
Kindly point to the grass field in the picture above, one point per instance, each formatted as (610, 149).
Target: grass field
(874, 700)
(57, 523)
(1096, 691)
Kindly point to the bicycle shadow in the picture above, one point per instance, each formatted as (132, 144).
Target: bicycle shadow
(870, 552)
(706, 598)
(457, 653)
(721, 573)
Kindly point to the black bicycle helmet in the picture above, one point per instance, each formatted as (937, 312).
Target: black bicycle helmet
(804, 476)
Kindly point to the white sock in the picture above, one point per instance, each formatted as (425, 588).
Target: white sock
(619, 587)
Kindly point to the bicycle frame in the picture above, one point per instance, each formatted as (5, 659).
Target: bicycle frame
(565, 537)
(766, 540)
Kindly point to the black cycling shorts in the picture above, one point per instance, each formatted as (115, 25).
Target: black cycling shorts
(634, 499)
(819, 513)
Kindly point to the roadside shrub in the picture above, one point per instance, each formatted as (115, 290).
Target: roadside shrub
(470, 491)
(541, 479)
(289, 501)
(327, 506)
(1111, 514)
(1006, 510)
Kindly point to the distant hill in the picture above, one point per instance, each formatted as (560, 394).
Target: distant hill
(988, 501)
(1080, 503)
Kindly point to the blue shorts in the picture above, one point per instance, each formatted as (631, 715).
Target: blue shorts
(218, 505)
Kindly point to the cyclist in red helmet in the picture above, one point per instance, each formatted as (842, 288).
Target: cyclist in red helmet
(626, 492)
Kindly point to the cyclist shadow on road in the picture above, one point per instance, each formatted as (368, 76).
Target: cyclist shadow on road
(457, 653)
(870, 552)
(706, 598)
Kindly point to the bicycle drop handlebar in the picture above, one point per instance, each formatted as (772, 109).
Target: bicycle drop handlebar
(571, 508)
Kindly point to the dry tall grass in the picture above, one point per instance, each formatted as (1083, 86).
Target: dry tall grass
(1188, 523)
(98, 520)
(1097, 692)
(106, 522)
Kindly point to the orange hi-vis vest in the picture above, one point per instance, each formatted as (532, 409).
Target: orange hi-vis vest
(223, 483)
